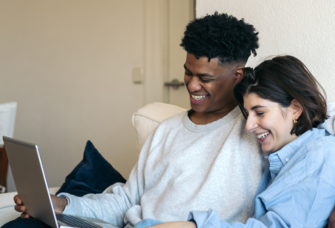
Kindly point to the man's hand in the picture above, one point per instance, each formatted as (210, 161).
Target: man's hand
(331, 222)
(19, 207)
(59, 204)
(176, 225)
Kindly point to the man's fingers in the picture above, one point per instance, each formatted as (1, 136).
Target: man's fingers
(24, 215)
(17, 200)
(19, 208)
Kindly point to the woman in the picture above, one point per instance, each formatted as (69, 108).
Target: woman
(282, 104)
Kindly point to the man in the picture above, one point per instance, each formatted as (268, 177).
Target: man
(198, 159)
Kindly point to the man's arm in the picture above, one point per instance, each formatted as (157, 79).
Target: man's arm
(112, 205)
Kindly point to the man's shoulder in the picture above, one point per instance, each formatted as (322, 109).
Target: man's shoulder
(174, 122)
(175, 119)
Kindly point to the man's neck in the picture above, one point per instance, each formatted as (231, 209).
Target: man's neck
(202, 118)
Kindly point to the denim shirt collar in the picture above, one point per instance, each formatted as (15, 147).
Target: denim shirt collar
(280, 158)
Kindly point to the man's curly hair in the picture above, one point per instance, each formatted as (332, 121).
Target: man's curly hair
(222, 36)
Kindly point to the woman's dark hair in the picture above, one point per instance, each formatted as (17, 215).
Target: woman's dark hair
(222, 36)
(281, 80)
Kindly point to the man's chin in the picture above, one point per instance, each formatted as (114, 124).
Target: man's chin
(198, 108)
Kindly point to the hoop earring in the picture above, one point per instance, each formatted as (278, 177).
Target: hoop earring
(295, 121)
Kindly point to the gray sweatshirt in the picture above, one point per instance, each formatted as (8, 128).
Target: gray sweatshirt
(183, 167)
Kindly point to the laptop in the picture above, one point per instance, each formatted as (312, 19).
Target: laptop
(32, 187)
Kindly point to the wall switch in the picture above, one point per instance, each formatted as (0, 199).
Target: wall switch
(137, 75)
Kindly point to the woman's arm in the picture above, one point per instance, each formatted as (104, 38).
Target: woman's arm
(181, 224)
(157, 224)
(306, 204)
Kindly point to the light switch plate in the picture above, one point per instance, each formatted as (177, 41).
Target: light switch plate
(137, 75)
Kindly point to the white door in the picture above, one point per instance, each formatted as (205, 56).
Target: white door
(180, 14)
(165, 23)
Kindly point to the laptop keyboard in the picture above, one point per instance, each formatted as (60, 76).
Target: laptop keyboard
(75, 221)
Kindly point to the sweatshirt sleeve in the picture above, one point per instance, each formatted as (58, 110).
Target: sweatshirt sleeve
(114, 202)
(109, 207)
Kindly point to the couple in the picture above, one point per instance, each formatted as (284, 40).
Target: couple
(205, 159)
(283, 106)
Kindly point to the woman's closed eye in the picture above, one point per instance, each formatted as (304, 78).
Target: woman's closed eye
(259, 113)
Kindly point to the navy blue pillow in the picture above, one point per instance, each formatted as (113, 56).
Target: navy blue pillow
(92, 175)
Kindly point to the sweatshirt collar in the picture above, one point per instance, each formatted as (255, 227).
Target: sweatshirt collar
(211, 126)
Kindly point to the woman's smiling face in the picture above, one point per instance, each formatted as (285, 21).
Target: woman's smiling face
(270, 122)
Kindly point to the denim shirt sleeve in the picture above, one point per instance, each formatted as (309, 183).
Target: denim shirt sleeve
(307, 204)
(211, 219)
(208, 219)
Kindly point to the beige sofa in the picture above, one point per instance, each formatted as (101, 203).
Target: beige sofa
(145, 120)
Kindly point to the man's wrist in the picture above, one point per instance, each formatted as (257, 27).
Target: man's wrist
(62, 202)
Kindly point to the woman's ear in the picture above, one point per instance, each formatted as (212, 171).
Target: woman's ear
(238, 74)
(296, 108)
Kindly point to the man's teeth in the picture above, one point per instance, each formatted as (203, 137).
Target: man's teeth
(263, 135)
(197, 97)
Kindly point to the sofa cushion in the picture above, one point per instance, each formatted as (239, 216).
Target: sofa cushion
(146, 119)
(92, 175)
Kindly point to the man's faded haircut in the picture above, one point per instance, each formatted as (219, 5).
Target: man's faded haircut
(220, 36)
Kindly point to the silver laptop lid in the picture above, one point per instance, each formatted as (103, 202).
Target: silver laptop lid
(30, 181)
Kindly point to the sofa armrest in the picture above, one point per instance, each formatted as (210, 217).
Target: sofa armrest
(7, 212)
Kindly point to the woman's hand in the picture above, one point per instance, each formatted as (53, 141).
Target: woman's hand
(59, 205)
(176, 225)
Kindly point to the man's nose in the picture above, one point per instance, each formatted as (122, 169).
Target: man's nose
(194, 84)
(251, 124)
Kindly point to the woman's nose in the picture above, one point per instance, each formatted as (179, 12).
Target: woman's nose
(193, 84)
(251, 124)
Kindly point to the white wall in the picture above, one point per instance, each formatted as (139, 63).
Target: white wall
(68, 64)
(302, 28)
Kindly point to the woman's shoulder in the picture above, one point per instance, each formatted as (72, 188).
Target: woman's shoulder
(314, 160)
(320, 153)
(323, 142)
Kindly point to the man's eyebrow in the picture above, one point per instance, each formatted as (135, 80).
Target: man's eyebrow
(257, 106)
(186, 68)
(199, 75)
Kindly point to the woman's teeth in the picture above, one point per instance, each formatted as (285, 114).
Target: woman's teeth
(263, 135)
(198, 97)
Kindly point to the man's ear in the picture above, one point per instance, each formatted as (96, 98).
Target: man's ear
(296, 108)
(238, 74)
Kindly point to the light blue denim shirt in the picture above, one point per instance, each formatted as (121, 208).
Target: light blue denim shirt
(297, 189)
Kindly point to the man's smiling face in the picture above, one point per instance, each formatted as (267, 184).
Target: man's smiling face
(210, 84)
